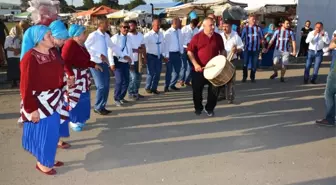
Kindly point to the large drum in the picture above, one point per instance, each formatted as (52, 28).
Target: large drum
(219, 71)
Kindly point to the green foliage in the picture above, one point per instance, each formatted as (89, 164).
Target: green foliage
(87, 4)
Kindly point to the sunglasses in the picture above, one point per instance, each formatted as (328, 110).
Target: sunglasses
(126, 27)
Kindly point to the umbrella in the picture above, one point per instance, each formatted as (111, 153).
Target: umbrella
(117, 15)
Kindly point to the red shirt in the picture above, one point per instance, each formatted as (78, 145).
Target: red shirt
(75, 56)
(205, 48)
(39, 72)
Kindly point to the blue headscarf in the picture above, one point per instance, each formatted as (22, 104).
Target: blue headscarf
(270, 30)
(58, 30)
(192, 15)
(31, 37)
(76, 30)
(234, 27)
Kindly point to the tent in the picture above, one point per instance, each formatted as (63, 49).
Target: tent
(159, 8)
(96, 11)
(117, 15)
(23, 15)
(201, 7)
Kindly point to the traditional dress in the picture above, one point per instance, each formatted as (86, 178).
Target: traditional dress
(42, 80)
(59, 31)
(77, 63)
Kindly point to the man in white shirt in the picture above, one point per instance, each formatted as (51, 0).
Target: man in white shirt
(98, 45)
(316, 40)
(120, 66)
(139, 50)
(154, 42)
(232, 43)
(188, 32)
(173, 41)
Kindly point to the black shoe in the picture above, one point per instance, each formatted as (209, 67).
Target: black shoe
(305, 81)
(210, 113)
(244, 80)
(148, 91)
(101, 112)
(166, 90)
(282, 79)
(198, 112)
(313, 81)
(324, 122)
(140, 96)
(253, 80)
(108, 111)
(174, 88)
(156, 92)
(274, 76)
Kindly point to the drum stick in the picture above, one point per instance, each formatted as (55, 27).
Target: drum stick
(207, 67)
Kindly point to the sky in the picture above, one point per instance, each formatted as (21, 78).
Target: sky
(79, 2)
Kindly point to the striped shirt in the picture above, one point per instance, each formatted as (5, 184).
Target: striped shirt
(283, 37)
(252, 37)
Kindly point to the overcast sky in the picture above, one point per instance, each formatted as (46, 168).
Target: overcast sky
(79, 2)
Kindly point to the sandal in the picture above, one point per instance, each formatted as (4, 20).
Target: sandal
(64, 145)
(58, 164)
(50, 172)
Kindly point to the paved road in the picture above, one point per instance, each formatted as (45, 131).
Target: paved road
(267, 138)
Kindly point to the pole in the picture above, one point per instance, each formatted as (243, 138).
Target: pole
(152, 11)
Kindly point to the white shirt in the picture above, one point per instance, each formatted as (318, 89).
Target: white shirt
(233, 40)
(127, 50)
(187, 34)
(11, 43)
(317, 42)
(137, 40)
(173, 41)
(152, 41)
(216, 29)
(98, 44)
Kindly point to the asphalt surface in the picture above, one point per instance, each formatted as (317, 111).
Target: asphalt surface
(267, 137)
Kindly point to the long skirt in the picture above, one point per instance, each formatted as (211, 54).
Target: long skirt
(81, 113)
(64, 129)
(13, 71)
(40, 139)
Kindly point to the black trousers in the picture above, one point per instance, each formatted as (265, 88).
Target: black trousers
(198, 83)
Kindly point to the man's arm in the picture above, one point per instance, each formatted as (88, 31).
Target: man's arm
(325, 38)
(293, 43)
(310, 37)
(89, 43)
(272, 39)
(240, 44)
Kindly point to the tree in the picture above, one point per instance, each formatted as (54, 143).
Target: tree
(88, 4)
(135, 3)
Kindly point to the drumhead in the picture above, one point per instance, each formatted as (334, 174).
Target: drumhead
(212, 72)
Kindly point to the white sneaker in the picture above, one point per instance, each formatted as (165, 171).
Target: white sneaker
(118, 103)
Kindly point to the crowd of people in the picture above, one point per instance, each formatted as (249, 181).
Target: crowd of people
(55, 64)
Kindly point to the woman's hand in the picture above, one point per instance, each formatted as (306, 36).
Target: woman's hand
(98, 68)
(35, 116)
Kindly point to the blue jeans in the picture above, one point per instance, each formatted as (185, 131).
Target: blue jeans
(317, 58)
(102, 82)
(154, 67)
(185, 74)
(329, 96)
(121, 75)
(135, 80)
(173, 69)
(253, 56)
(333, 60)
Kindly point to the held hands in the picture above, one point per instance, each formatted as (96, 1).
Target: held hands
(98, 68)
(265, 50)
(113, 68)
(129, 60)
(35, 116)
(165, 59)
(71, 81)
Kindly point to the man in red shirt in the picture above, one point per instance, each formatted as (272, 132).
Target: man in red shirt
(202, 48)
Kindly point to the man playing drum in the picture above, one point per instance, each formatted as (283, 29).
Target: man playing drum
(202, 48)
(234, 44)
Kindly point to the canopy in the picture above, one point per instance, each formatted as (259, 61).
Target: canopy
(23, 15)
(201, 7)
(97, 11)
(117, 15)
(266, 2)
(132, 15)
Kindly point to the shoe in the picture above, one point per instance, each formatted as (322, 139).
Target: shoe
(324, 122)
(282, 79)
(188, 84)
(118, 103)
(198, 112)
(166, 90)
(134, 97)
(51, 172)
(313, 81)
(64, 145)
(123, 101)
(107, 111)
(58, 164)
(156, 92)
(243, 80)
(305, 81)
(140, 96)
(253, 80)
(100, 112)
(174, 88)
(230, 102)
(148, 91)
(182, 84)
(274, 76)
(210, 113)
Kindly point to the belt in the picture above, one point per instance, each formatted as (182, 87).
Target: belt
(174, 52)
(152, 55)
(317, 50)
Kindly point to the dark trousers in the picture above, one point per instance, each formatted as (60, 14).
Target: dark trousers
(121, 75)
(317, 58)
(198, 85)
(173, 69)
(329, 95)
(253, 56)
(154, 67)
